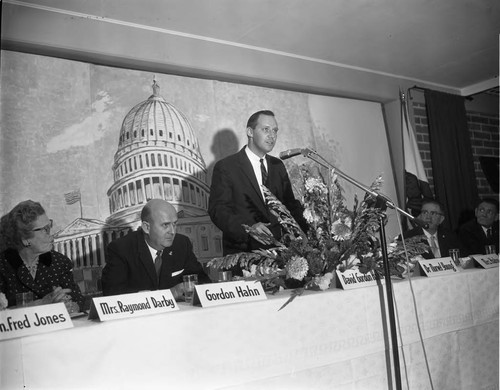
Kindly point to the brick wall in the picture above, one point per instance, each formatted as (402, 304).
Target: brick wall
(484, 133)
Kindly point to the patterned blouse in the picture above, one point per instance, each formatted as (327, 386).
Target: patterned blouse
(54, 270)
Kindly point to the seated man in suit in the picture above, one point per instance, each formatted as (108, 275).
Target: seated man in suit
(152, 258)
(483, 229)
(439, 239)
(236, 196)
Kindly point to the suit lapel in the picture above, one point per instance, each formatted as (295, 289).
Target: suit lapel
(146, 260)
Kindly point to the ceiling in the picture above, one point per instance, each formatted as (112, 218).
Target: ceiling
(441, 43)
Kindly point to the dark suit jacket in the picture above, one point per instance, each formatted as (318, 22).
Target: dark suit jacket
(474, 239)
(54, 270)
(236, 199)
(446, 239)
(129, 266)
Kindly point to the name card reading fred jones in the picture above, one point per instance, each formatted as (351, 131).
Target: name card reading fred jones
(27, 321)
(436, 267)
(132, 305)
(352, 278)
(217, 294)
(486, 261)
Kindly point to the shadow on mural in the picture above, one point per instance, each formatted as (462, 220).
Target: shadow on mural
(158, 156)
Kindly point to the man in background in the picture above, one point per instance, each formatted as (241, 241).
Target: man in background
(437, 237)
(483, 229)
(236, 197)
(152, 258)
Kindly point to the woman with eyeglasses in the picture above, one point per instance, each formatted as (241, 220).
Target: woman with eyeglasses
(28, 262)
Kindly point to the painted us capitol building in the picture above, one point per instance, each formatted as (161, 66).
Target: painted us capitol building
(158, 156)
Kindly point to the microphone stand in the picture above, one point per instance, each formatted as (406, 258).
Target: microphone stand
(383, 242)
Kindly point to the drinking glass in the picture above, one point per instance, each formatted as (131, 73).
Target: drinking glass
(189, 282)
(24, 299)
(490, 249)
(455, 256)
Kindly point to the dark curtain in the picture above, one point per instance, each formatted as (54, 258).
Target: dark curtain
(452, 162)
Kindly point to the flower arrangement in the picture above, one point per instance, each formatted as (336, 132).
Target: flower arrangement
(338, 238)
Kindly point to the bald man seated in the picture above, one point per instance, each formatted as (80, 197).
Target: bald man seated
(152, 258)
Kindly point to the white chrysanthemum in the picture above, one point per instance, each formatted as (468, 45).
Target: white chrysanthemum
(340, 230)
(313, 184)
(310, 216)
(3, 302)
(325, 281)
(297, 268)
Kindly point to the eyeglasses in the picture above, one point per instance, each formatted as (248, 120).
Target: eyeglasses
(482, 210)
(46, 227)
(431, 213)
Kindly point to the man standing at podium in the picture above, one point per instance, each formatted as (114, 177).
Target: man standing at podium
(152, 258)
(236, 197)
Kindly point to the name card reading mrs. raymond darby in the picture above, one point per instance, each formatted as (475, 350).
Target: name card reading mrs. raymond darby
(436, 267)
(28, 321)
(352, 278)
(225, 293)
(132, 305)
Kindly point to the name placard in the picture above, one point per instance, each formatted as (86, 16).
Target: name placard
(27, 321)
(436, 267)
(132, 305)
(352, 278)
(217, 294)
(486, 261)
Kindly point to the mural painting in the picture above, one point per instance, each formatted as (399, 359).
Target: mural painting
(92, 144)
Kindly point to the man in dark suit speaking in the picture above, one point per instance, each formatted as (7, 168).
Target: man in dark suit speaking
(236, 197)
(152, 258)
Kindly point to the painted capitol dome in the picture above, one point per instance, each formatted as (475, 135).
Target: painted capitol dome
(158, 156)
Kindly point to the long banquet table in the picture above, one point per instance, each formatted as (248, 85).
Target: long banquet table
(322, 340)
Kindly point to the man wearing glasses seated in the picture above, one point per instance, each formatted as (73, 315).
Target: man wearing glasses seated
(483, 229)
(439, 239)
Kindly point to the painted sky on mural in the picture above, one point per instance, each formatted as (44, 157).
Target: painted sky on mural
(61, 121)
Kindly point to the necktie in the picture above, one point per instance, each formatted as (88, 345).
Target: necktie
(158, 261)
(263, 171)
(434, 247)
(489, 233)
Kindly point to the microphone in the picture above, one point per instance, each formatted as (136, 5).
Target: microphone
(420, 223)
(290, 153)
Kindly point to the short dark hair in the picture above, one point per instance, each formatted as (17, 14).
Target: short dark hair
(252, 121)
(17, 224)
(491, 201)
(435, 202)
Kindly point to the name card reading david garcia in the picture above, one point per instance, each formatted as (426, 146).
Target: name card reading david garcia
(28, 321)
(217, 294)
(132, 305)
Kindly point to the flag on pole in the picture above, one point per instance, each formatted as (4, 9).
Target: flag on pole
(416, 184)
(73, 197)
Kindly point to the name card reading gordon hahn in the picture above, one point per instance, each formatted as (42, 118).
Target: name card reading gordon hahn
(28, 321)
(436, 267)
(217, 294)
(132, 305)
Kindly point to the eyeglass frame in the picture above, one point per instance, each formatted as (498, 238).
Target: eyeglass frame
(432, 213)
(47, 227)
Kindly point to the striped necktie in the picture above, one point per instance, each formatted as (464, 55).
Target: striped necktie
(434, 247)
(158, 261)
(263, 171)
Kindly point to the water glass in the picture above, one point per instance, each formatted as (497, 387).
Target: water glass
(189, 282)
(24, 299)
(225, 276)
(455, 256)
(490, 249)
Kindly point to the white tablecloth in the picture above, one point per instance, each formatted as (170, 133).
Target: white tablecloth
(322, 340)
